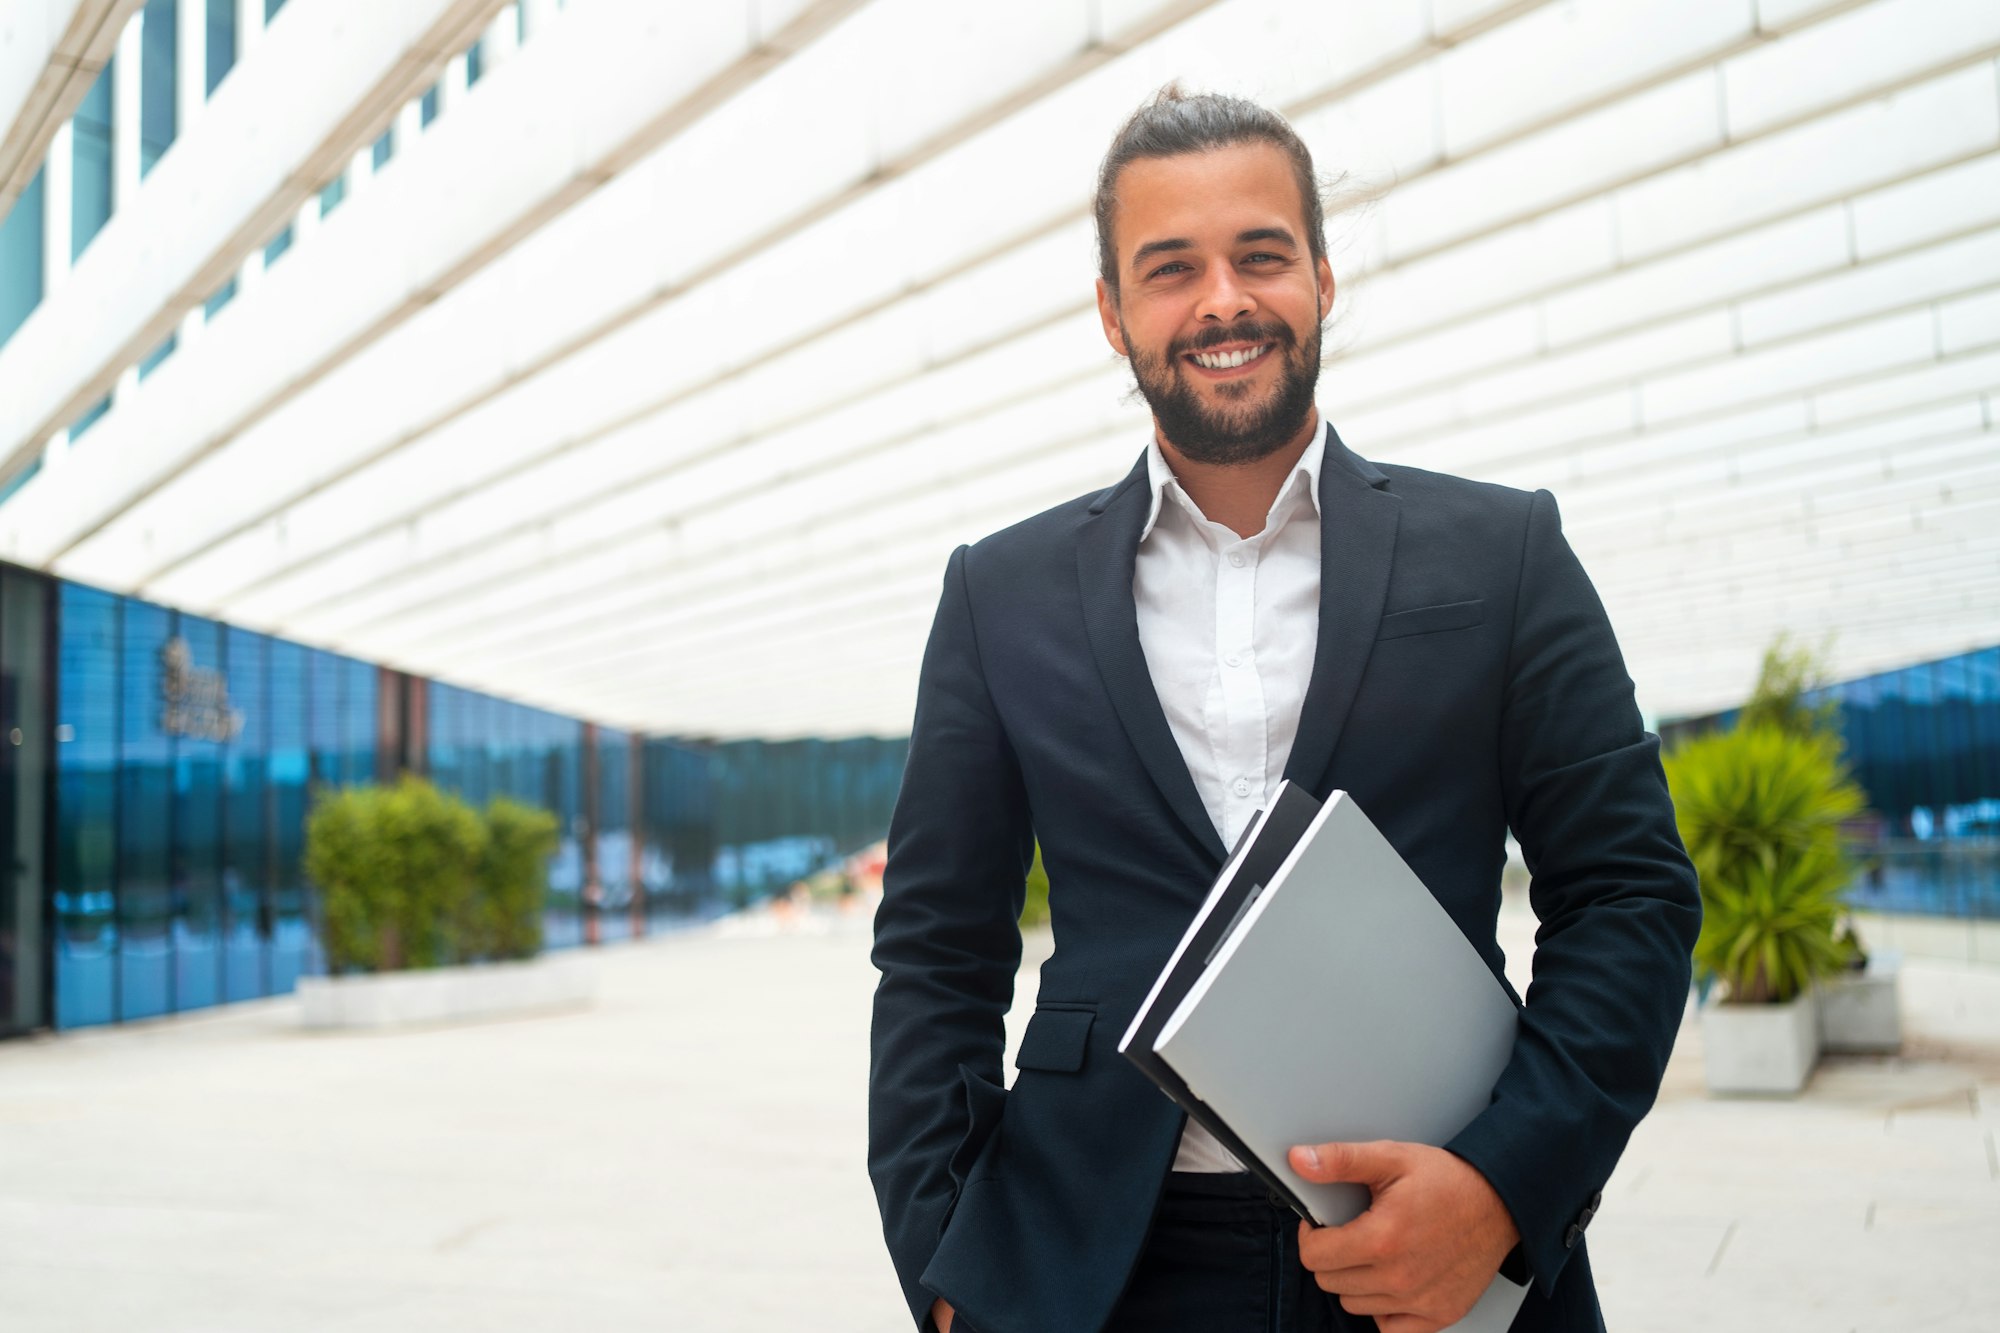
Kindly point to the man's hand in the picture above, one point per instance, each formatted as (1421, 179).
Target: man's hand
(942, 1315)
(1429, 1244)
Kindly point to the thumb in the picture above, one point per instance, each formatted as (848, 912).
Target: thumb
(1358, 1163)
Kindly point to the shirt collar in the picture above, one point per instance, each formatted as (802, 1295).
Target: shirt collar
(1160, 476)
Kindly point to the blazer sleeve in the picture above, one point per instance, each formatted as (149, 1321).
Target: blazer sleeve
(1615, 895)
(947, 943)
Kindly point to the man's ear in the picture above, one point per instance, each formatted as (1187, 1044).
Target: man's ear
(1323, 271)
(1107, 313)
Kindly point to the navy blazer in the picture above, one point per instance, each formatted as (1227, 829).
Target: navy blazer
(1465, 682)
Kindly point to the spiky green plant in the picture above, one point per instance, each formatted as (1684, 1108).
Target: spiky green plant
(1759, 809)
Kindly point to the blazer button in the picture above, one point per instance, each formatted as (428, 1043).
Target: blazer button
(1572, 1236)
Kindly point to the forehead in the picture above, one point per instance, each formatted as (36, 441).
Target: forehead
(1208, 196)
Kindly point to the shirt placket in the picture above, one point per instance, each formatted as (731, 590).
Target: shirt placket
(1241, 752)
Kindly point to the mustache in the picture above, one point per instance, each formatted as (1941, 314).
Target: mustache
(1252, 331)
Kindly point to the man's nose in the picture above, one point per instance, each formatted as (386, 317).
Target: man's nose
(1224, 297)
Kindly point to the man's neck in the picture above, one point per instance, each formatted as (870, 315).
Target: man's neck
(1239, 495)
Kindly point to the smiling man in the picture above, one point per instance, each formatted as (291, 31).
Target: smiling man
(1127, 678)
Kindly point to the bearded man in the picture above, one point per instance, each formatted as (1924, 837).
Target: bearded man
(1126, 678)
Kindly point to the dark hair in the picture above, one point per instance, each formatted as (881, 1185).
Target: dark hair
(1173, 123)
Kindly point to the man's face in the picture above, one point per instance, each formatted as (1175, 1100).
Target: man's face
(1219, 301)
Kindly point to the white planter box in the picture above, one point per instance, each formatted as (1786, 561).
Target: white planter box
(446, 994)
(1767, 1048)
(1860, 1012)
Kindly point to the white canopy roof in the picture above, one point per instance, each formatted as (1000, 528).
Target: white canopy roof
(656, 379)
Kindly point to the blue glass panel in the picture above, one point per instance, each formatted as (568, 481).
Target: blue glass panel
(196, 719)
(157, 355)
(223, 296)
(427, 109)
(271, 8)
(245, 835)
(21, 250)
(358, 720)
(221, 40)
(91, 416)
(276, 249)
(158, 42)
(288, 777)
(86, 835)
(475, 63)
(145, 818)
(331, 197)
(19, 479)
(384, 149)
(90, 181)
(614, 843)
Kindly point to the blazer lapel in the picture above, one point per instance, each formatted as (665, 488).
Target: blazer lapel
(1106, 550)
(1357, 543)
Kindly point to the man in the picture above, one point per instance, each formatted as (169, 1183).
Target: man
(1125, 678)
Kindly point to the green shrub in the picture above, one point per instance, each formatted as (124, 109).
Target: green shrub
(412, 877)
(1759, 809)
(514, 879)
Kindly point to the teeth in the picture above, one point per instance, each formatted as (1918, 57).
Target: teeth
(1229, 360)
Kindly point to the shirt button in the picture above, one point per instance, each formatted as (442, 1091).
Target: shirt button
(1233, 660)
(1236, 559)
(1242, 786)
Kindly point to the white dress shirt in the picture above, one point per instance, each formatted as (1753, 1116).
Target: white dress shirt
(1229, 625)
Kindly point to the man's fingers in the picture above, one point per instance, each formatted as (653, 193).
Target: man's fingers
(1363, 1243)
(1374, 1163)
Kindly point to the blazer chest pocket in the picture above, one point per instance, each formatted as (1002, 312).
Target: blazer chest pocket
(1056, 1040)
(1431, 619)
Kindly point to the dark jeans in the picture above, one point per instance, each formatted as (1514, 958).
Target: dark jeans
(1222, 1257)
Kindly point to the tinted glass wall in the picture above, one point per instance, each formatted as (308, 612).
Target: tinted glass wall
(186, 755)
(1923, 742)
(170, 763)
(784, 809)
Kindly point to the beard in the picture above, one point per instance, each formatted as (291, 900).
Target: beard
(1241, 430)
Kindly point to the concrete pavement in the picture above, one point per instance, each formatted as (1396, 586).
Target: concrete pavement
(688, 1155)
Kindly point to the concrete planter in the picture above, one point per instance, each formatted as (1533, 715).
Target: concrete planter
(446, 994)
(1861, 1012)
(1760, 1048)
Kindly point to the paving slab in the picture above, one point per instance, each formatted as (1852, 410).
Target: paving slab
(688, 1154)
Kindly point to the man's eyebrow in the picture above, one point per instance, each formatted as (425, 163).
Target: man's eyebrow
(1173, 243)
(1278, 234)
(1151, 248)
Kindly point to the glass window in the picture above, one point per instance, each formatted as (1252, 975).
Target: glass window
(288, 777)
(246, 905)
(197, 714)
(91, 416)
(223, 296)
(323, 733)
(90, 180)
(21, 248)
(221, 40)
(271, 8)
(384, 149)
(87, 744)
(157, 79)
(475, 63)
(157, 355)
(358, 721)
(276, 249)
(145, 817)
(427, 109)
(19, 479)
(331, 196)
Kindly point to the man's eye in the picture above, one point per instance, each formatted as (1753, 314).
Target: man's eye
(1164, 267)
(1266, 255)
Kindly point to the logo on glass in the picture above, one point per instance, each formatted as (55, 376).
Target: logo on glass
(197, 699)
